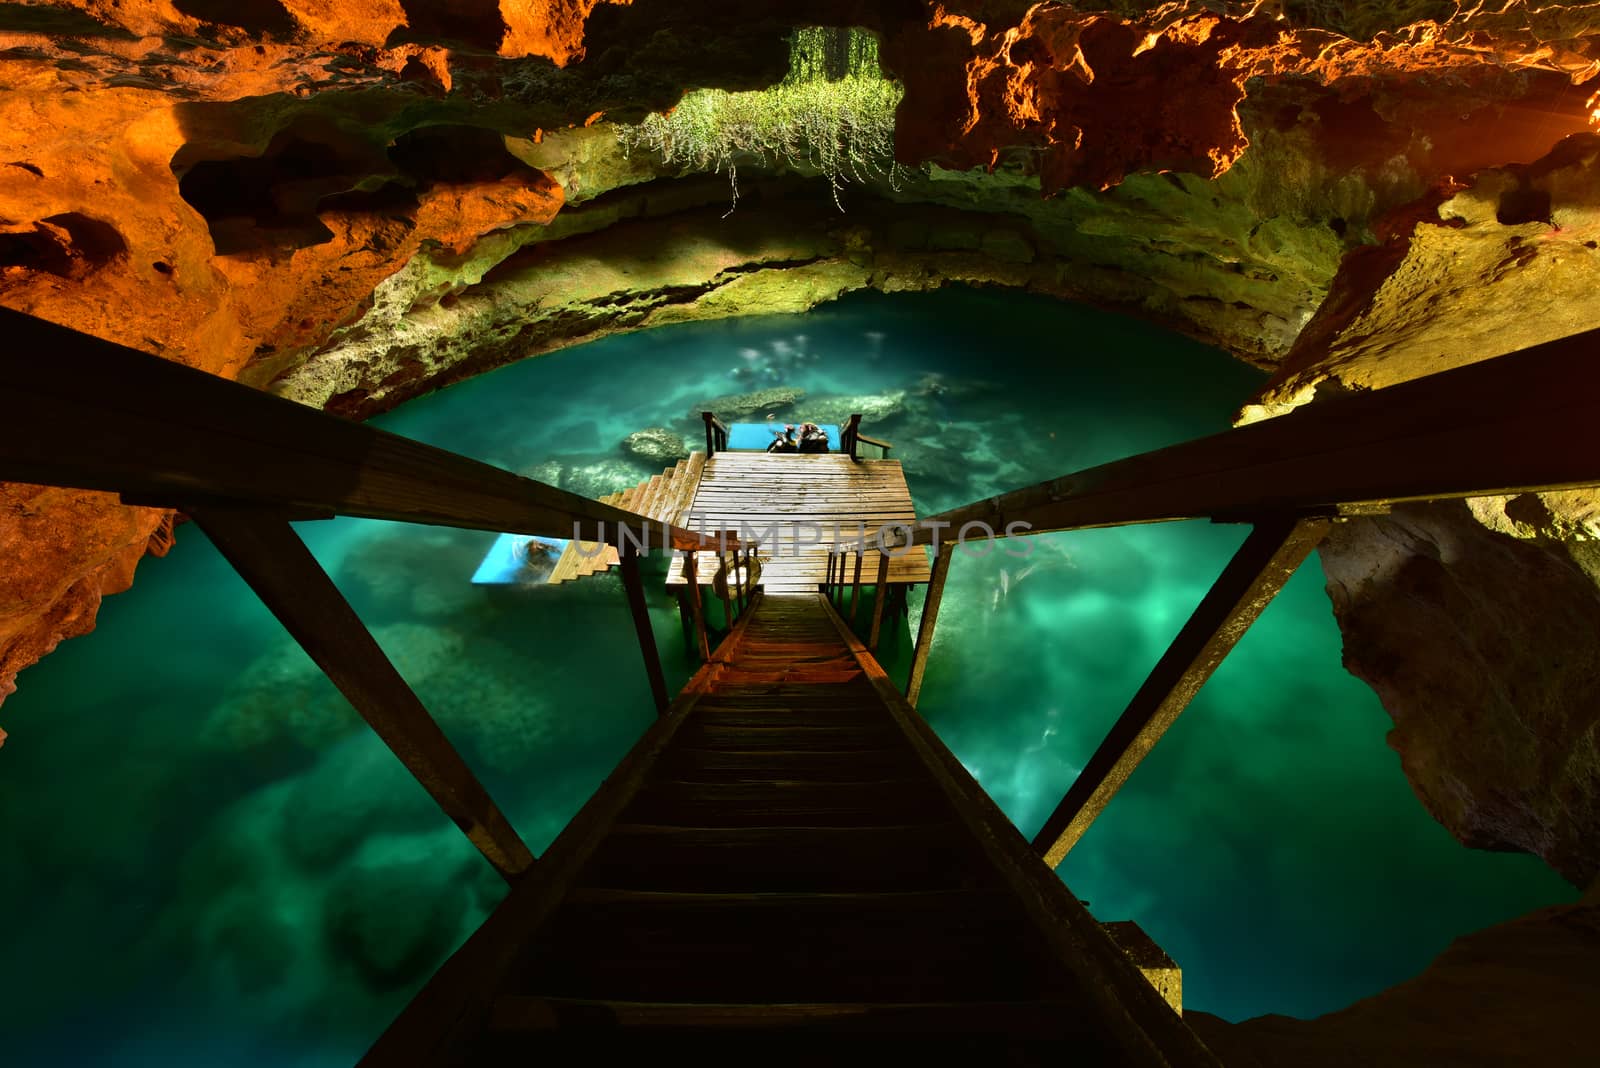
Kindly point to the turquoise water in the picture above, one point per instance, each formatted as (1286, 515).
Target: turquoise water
(210, 860)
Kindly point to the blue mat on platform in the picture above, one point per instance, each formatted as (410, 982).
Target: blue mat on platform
(755, 437)
(508, 557)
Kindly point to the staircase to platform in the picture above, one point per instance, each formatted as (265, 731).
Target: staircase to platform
(663, 498)
(788, 867)
(791, 869)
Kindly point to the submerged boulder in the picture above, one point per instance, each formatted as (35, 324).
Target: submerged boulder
(739, 406)
(394, 919)
(656, 444)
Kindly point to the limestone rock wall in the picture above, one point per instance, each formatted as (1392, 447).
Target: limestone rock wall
(1474, 621)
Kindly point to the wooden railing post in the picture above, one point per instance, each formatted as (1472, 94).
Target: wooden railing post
(696, 609)
(849, 435)
(740, 581)
(267, 553)
(880, 594)
(930, 615)
(711, 437)
(855, 586)
(633, 585)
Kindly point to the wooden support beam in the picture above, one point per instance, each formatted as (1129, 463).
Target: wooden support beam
(272, 559)
(100, 416)
(683, 616)
(634, 586)
(930, 615)
(1261, 567)
(880, 594)
(697, 609)
(1515, 423)
(855, 586)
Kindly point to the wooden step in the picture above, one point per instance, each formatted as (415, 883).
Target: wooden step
(821, 765)
(1012, 1018)
(715, 736)
(921, 856)
(881, 947)
(1017, 1034)
(788, 803)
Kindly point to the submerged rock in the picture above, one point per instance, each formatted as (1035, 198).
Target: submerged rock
(875, 408)
(740, 406)
(393, 919)
(283, 697)
(602, 475)
(1481, 647)
(657, 444)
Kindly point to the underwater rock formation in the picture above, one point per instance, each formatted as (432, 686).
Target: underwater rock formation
(657, 444)
(1473, 620)
(1480, 645)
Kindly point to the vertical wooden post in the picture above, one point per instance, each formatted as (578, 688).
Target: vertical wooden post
(683, 617)
(691, 572)
(827, 583)
(711, 441)
(855, 587)
(634, 586)
(266, 552)
(851, 434)
(738, 580)
(880, 594)
(930, 615)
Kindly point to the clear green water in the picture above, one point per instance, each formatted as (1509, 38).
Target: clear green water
(210, 861)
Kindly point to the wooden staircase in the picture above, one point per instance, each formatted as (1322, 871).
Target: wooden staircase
(664, 498)
(788, 867)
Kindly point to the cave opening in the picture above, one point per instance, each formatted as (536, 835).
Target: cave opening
(291, 878)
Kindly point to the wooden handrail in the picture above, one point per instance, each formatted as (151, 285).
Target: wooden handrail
(1517, 423)
(862, 439)
(716, 434)
(86, 413)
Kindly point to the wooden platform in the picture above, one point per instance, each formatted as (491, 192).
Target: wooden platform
(796, 506)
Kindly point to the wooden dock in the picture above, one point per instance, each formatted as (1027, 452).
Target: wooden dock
(795, 506)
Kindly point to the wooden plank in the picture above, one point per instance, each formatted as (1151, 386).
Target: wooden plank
(930, 616)
(100, 416)
(1264, 563)
(1013, 1019)
(1512, 424)
(266, 552)
(634, 586)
